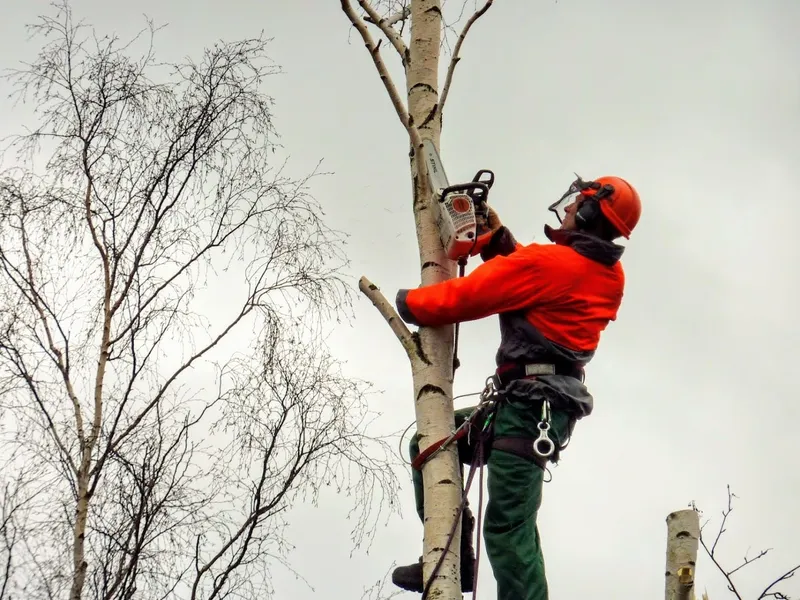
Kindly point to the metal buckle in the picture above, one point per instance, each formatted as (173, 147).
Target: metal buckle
(539, 369)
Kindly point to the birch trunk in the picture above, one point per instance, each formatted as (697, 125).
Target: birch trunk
(432, 370)
(683, 534)
(430, 351)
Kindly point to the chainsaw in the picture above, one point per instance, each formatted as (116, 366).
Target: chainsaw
(460, 211)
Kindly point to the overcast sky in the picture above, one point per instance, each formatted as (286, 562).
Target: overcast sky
(698, 105)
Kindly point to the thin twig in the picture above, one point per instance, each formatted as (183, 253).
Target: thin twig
(454, 60)
(371, 291)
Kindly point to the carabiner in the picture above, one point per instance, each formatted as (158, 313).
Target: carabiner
(488, 390)
(544, 446)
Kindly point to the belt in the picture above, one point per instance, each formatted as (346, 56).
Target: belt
(506, 373)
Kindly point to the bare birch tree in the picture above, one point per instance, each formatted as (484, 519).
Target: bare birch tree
(415, 30)
(165, 389)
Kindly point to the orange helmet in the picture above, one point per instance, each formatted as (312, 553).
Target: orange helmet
(617, 199)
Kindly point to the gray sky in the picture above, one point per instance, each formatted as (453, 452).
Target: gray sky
(698, 104)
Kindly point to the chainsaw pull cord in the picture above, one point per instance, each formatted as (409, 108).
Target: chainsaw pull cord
(462, 265)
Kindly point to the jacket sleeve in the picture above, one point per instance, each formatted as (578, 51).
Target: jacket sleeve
(502, 284)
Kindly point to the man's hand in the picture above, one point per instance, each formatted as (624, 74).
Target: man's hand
(493, 220)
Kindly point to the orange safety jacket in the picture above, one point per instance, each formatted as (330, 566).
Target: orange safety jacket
(553, 302)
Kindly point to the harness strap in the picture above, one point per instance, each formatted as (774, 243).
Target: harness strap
(423, 456)
(522, 447)
(508, 372)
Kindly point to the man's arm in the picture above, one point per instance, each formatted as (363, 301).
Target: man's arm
(502, 242)
(503, 284)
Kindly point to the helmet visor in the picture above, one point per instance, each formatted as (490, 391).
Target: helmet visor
(570, 196)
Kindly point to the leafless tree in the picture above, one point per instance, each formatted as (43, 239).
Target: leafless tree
(771, 590)
(166, 394)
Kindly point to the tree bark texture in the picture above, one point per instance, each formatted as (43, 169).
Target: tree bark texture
(430, 350)
(683, 534)
(432, 369)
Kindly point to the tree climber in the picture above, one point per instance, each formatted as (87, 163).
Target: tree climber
(553, 302)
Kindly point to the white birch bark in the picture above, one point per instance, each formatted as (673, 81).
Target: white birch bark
(432, 369)
(683, 534)
(430, 351)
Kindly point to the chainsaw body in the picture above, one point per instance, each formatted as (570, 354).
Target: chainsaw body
(460, 210)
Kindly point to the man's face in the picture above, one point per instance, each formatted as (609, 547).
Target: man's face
(569, 224)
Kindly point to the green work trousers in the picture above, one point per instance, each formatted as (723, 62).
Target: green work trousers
(514, 487)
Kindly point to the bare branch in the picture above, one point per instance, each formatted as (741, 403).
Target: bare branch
(385, 26)
(383, 72)
(456, 57)
(387, 311)
(399, 16)
(394, 95)
(767, 593)
(728, 573)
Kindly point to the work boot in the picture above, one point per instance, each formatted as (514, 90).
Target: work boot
(410, 578)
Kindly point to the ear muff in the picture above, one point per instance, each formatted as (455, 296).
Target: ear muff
(587, 214)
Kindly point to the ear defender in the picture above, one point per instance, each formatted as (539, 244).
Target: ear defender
(589, 210)
(587, 214)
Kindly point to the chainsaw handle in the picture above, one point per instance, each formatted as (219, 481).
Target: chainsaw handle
(479, 177)
(472, 186)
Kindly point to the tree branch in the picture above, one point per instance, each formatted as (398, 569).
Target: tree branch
(371, 291)
(383, 72)
(454, 60)
(400, 15)
(386, 27)
(778, 595)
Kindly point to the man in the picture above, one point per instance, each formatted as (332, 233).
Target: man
(553, 302)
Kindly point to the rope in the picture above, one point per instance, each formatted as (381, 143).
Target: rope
(475, 461)
(478, 525)
(410, 425)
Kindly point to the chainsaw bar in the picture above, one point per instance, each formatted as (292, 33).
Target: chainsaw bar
(437, 178)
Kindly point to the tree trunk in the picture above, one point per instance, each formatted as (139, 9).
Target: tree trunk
(432, 372)
(683, 534)
(430, 351)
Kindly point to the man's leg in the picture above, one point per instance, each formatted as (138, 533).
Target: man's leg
(514, 484)
(410, 577)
